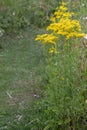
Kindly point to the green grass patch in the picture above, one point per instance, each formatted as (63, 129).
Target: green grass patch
(21, 66)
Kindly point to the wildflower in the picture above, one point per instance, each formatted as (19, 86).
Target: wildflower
(55, 63)
(46, 38)
(86, 101)
(85, 18)
(63, 8)
(65, 44)
(83, 4)
(58, 14)
(68, 14)
(1, 33)
(52, 50)
(62, 78)
(62, 25)
(64, 3)
(52, 19)
(35, 95)
(13, 14)
(66, 27)
(85, 37)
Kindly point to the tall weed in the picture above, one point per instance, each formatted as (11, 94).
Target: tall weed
(64, 103)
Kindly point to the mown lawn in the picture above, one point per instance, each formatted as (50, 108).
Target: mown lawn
(21, 68)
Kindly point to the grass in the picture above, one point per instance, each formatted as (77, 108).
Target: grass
(21, 65)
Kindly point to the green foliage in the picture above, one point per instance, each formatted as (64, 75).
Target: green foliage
(21, 13)
(12, 15)
(64, 104)
(41, 10)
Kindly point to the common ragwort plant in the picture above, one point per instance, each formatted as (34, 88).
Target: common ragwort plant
(64, 98)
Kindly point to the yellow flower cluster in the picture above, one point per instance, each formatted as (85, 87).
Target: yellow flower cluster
(66, 27)
(62, 25)
(47, 38)
(62, 12)
(52, 50)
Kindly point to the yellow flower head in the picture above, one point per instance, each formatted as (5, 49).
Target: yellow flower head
(52, 50)
(64, 3)
(46, 38)
(62, 25)
(62, 78)
(63, 8)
